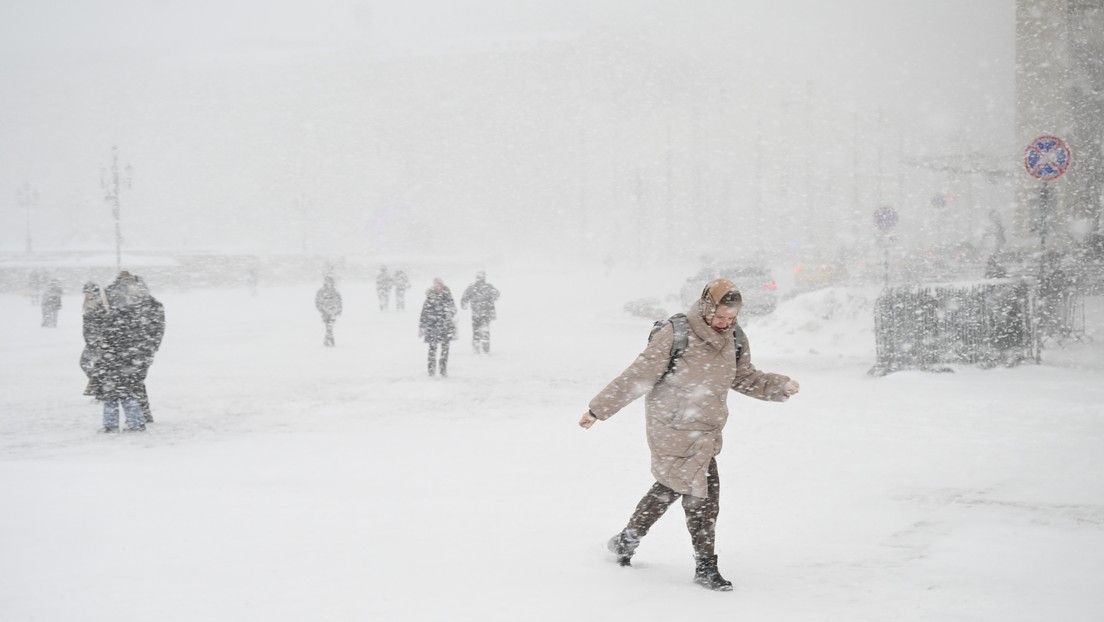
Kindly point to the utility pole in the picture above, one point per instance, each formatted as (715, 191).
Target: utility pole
(27, 198)
(112, 184)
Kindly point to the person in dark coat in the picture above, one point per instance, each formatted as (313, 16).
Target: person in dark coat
(51, 303)
(328, 303)
(132, 335)
(94, 318)
(436, 325)
(383, 287)
(402, 283)
(481, 296)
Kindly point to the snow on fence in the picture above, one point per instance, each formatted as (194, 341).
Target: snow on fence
(986, 324)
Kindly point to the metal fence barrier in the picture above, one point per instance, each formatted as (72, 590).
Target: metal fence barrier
(988, 324)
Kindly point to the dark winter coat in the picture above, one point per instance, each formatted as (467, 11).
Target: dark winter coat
(94, 319)
(132, 332)
(328, 302)
(51, 297)
(383, 281)
(436, 324)
(402, 283)
(481, 296)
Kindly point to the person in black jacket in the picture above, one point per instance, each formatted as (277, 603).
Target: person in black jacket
(436, 325)
(481, 296)
(94, 318)
(132, 335)
(328, 303)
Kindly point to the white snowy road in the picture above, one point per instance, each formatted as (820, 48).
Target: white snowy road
(286, 481)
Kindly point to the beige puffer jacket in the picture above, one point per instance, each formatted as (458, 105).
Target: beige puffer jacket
(687, 411)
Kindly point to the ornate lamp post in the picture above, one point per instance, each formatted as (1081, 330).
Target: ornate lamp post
(112, 184)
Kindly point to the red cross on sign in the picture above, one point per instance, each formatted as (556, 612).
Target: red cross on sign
(1047, 157)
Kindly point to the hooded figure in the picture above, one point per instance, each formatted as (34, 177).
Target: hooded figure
(685, 412)
(436, 326)
(132, 333)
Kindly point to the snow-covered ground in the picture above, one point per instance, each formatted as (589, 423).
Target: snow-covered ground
(287, 481)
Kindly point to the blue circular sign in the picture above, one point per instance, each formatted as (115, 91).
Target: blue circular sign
(885, 218)
(1047, 157)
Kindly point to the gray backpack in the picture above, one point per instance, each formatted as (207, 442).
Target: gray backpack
(681, 326)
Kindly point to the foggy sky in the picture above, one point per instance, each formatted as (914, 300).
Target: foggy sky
(494, 126)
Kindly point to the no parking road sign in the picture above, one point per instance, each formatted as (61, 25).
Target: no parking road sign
(885, 218)
(1047, 157)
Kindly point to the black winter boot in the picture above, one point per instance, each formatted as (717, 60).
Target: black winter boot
(707, 575)
(623, 545)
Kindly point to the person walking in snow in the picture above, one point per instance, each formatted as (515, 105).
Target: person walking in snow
(51, 303)
(328, 303)
(94, 319)
(686, 410)
(481, 296)
(436, 325)
(132, 335)
(402, 283)
(383, 287)
(34, 286)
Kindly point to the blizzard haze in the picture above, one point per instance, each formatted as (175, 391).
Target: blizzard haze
(509, 127)
(285, 481)
(586, 154)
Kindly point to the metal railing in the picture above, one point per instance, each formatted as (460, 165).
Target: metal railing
(989, 324)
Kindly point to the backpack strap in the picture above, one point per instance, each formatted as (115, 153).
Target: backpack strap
(681, 339)
(739, 339)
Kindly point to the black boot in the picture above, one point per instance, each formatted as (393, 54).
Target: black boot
(623, 545)
(707, 575)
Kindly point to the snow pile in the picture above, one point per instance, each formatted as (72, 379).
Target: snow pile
(830, 324)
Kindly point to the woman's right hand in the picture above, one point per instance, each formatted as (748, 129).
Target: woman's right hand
(588, 420)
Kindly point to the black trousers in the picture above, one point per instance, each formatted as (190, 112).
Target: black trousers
(481, 333)
(432, 359)
(701, 513)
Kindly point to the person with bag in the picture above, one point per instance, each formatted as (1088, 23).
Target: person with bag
(132, 334)
(686, 411)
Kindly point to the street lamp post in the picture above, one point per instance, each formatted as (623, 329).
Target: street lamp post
(112, 185)
(27, 197)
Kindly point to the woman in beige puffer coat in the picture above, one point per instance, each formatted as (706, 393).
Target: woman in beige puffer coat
(686, 411)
